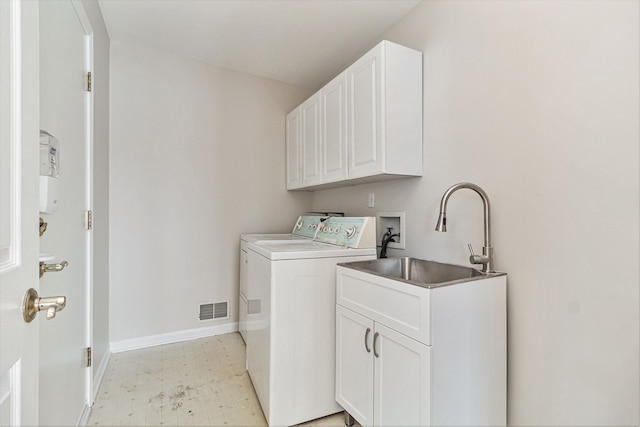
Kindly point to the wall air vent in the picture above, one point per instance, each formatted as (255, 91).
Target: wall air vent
(213, 310)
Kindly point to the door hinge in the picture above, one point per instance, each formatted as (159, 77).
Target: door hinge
(88, 220)
(88, 82)
(87, 353)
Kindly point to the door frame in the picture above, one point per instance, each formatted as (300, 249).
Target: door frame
(87, 391)
(89, 99)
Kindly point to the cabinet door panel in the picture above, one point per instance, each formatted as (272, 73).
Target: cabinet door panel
(311, 138)
(334, 130)
(294, 150)
(401, 384)
(354, 365)
(365, 137)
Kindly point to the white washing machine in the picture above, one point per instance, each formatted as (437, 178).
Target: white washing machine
(290, 325)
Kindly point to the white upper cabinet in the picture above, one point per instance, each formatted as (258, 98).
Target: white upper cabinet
(370, 122)
(384, 112)
(365, 115)
(303, 133)
(311, 140)
(334, 130)
(294, 150)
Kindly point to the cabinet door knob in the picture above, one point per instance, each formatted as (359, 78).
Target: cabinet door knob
(375, 338)
(366, 340)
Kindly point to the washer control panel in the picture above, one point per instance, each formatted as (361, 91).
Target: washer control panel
(352, 232)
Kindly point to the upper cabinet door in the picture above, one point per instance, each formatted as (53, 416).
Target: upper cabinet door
(311, 140)
(365, 132)
(294, 150)
(334, 130)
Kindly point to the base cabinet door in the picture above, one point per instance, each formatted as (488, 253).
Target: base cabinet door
(401, 380)
(382, 376)
(354, 364)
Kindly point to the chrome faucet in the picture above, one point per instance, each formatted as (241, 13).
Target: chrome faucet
(486, 259)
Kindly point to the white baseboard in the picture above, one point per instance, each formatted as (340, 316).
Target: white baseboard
(172, 337)
(98, 375)
(84, 416)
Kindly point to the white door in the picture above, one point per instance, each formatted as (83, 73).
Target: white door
(402, 387)
(65, 114)
(18, 210)
(354, 364)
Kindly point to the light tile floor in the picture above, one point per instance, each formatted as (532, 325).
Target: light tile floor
(194, 383)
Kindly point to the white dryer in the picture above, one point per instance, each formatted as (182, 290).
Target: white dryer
(304, 229)
(290, 333)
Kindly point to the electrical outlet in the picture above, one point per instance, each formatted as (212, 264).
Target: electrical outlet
(372, 200)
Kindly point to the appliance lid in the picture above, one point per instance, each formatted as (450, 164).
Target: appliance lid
(305, 249)
(249, 237)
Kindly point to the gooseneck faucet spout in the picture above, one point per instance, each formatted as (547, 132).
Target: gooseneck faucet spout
(486, 259)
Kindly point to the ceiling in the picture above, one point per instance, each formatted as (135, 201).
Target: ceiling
(302, 42)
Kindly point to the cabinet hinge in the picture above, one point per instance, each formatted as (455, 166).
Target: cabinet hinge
(88, 220)
(87, 352)
(88, 82)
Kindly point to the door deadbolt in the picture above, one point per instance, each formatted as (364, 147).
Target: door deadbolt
(32, 304)
(49, 268)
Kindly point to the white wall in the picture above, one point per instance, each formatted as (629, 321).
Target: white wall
(538, 103)
(100, 78)
(196, 158)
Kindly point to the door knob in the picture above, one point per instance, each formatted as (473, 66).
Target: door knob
(48, 268)
(32, 304)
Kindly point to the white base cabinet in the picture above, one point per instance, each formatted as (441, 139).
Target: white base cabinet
(387, 385)
(413, 356)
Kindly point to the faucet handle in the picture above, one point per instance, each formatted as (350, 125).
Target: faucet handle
(477, 259)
